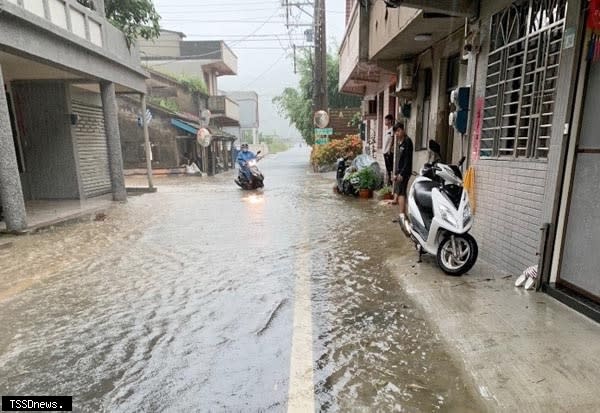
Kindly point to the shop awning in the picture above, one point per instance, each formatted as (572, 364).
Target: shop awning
(192, 128)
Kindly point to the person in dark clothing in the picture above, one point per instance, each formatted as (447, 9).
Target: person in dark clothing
(404, 166)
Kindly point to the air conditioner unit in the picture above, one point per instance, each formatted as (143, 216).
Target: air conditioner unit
(405, 77)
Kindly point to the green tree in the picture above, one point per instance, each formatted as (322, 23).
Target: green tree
(135, 18)
(296, 103)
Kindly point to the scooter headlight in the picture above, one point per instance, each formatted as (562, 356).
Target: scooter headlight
(466, 214)
(448, 216)
(252, 163)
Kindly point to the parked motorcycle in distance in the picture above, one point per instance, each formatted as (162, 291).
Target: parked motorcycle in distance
(440, 218)
(347, 184)
(256, 178)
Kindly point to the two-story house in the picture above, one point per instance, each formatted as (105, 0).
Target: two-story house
(173, 56)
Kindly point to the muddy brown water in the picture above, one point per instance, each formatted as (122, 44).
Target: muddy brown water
(183, 301)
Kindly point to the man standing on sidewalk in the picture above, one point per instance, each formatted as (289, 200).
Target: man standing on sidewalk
(388, 147)
(403, 168)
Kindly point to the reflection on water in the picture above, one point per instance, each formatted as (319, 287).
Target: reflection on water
(183, 301)
(254, 199)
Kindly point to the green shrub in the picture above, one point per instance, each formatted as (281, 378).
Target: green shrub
(328, 154)
(367, 178)
(386, 190)
(193, 84)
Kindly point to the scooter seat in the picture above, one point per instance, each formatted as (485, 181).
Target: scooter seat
(423, 195)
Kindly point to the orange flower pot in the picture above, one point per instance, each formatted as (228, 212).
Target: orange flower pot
(365, 193)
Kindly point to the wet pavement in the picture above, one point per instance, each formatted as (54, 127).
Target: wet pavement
(203, 297)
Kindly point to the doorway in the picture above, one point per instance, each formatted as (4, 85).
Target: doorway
(579, 268)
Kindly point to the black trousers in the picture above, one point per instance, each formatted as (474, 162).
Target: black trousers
(389, 165)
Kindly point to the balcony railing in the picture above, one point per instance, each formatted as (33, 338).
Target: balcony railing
(69, 19)
(70, 15)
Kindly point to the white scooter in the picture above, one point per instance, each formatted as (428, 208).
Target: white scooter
(439, 216)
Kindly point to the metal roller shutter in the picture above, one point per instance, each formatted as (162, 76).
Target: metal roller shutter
(92, 150)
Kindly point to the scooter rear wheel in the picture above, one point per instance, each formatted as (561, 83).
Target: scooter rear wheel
(457, 254)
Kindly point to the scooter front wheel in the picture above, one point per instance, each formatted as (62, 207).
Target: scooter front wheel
(457, 254)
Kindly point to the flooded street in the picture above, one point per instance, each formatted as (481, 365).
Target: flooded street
(203, 297)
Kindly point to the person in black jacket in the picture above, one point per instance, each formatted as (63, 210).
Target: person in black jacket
(404, 165)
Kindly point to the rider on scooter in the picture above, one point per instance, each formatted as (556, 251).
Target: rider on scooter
(243, 157)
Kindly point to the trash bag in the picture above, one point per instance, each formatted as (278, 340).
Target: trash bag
(192, 169)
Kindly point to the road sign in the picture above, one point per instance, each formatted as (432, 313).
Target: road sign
(323, 131)
(322, 141)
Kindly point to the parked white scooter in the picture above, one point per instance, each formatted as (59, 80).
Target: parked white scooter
(439, 216)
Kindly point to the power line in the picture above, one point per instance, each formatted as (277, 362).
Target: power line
(263, 25)
(217, 3)
(226, 36)
(266, 71)
(221, 21)
(232, 43)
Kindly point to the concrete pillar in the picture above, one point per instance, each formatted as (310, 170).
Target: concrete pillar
(147, 146)
(111, 125)
(11, 193)
(99, 4)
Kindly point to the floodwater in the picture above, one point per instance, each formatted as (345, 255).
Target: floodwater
(203, 297)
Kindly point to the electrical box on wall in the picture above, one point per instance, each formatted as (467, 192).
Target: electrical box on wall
(459, 117)
(405, 77)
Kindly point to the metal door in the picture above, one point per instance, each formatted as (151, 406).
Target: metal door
(92, 148)
(581, 258)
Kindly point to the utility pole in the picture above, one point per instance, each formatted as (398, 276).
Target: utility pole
(320, 98)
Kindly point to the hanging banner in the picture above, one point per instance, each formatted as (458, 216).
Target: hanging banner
(477, 126)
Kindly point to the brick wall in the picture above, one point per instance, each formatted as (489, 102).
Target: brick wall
(509, 199)
(339, 120)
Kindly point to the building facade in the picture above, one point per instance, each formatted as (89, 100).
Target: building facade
(528, 141)
(174, 109)
(249, 115)
(61, 68)
(172, 61)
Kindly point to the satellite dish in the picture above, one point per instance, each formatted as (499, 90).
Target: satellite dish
(205, 117)
(203, 137)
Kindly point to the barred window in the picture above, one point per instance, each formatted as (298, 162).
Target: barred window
(525, 46)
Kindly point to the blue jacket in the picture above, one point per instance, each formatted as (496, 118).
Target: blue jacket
(244, 157)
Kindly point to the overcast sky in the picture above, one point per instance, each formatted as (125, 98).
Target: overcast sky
(255, 30)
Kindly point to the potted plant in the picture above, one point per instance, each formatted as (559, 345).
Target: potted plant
(367, 180)
(385, 193)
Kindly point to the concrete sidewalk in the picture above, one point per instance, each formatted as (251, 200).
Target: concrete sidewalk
(525, 351)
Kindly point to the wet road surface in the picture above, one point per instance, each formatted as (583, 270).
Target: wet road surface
(203, 297)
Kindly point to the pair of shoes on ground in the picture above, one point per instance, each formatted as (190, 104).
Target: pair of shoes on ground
(528, 278)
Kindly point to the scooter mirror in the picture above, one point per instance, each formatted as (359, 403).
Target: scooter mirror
(258, 153)
(434, 147)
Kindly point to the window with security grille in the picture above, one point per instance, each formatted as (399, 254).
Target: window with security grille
(525, 47)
